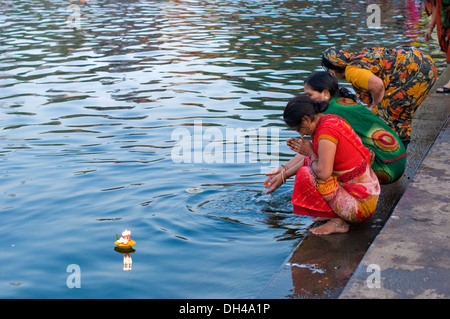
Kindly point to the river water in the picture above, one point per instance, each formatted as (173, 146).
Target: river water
(134, 114)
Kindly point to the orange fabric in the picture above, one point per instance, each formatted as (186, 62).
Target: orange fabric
(358, 77)
(350, 151)
(352, 196)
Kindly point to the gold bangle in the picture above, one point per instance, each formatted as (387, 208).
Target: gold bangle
(285, 168)
(282, 178)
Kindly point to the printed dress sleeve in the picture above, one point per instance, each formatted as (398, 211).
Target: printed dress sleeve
(358, 77)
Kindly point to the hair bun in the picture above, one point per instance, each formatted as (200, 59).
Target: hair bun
(344, 92)
(321, 107)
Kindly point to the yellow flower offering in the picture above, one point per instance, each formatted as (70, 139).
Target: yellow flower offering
(125, 240)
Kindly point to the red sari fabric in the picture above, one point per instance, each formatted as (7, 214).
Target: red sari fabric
(352, 196)
(442, 23)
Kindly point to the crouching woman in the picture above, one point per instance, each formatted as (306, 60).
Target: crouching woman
(336, 182)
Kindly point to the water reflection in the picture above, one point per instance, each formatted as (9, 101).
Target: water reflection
(127, 260)
(87, 116)
(239, 204)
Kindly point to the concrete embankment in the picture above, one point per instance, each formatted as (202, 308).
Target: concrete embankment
(410, 257)
(403, 250)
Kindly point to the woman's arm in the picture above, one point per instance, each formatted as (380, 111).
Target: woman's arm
(278, 176)
(290, 167)
(376, 88)
(365, 80)
(432, 24)
(322, 164)
(293, 165)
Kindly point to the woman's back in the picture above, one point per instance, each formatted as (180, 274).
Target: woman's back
(375, 135)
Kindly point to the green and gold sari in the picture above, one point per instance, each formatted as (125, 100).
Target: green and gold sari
(390, 154)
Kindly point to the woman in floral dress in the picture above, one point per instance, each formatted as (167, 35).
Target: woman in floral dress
(392, 82)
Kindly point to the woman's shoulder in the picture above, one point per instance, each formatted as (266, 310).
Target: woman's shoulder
(332, 127)
(359, 75)
(331, 118)
(333, 121)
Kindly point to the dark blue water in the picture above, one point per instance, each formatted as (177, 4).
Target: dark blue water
(94, 102)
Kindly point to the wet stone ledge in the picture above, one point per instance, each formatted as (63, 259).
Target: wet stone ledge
(321, 267)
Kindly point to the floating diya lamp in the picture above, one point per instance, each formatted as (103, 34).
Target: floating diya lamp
(124, 246)
(125, 241)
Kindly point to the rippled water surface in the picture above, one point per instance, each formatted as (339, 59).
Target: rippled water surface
(91, 115)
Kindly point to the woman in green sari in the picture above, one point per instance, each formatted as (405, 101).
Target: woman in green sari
(390, 154)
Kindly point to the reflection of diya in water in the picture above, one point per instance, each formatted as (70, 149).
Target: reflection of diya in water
(124, 246)
(127, 261)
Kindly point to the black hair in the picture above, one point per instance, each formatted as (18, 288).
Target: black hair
(327, 65)
(301, 106)
(320, 81)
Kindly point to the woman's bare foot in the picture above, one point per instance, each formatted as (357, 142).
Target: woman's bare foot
(335, 225)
